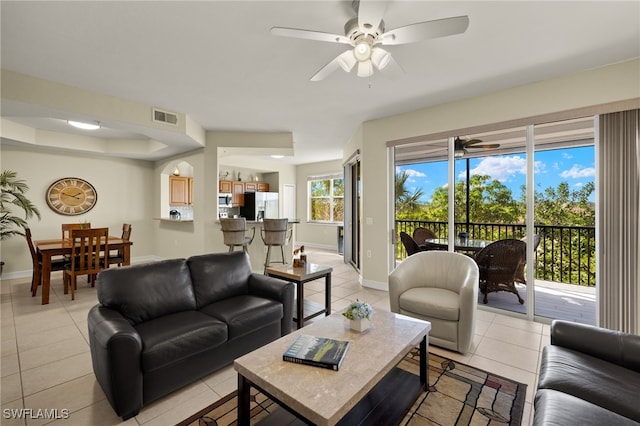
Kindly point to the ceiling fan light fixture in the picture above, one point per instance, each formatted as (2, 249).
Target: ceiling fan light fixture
(362, 51)
(459, 153)
(365, 69)
(347, 60)
(380, 57)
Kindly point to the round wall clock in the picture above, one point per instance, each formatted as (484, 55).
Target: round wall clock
(71, 196)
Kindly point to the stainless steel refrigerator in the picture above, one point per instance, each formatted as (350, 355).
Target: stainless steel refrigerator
(260, 205)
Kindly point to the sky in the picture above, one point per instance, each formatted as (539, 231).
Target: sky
(576, 166)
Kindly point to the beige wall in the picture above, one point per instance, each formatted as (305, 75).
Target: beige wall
(125, 194)
(598, 86)
(129, 191)
(181, 239)
(314, 234)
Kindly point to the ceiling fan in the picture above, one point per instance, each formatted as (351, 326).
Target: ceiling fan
(461, 146)
(366, 33)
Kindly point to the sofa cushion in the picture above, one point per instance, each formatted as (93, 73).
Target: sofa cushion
(174, 337)
(218, 276)
(557, 408)
(245, 314)
(592, 379)
(433, 302)
(144, 292)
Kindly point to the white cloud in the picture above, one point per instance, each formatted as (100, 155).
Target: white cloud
(502, 168)
(567, 155)
(414, 173)
(578, 172)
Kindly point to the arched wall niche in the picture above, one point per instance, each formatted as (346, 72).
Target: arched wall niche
(174, 168)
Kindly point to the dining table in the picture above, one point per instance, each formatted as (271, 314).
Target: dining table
(47, 249)
(467, 245)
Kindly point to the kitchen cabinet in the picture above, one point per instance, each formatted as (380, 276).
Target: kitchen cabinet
(237, 193)
(238, 188)
(180, 191)
(225, 186)
(256, 187)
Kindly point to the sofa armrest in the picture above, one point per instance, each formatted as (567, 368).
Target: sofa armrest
(276, 289)
(116, 354)
(613, 346)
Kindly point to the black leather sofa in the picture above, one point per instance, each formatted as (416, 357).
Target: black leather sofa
(163, 325)
(588, 376)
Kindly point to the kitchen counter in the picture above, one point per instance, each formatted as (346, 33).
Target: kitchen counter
(167, 219)
(258, 222)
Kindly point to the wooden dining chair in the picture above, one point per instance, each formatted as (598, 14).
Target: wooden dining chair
(87, 256)
(68, 227)
(117, 256)
(36, 278)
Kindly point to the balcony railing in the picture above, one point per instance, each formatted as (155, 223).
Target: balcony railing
(566, 254)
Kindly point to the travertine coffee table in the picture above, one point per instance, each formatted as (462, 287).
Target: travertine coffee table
(367, 378)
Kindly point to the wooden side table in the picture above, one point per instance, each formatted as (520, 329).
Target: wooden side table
(299, 276)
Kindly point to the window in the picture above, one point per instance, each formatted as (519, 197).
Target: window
(326, 199)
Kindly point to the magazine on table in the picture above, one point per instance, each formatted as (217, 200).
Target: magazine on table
(317, 351)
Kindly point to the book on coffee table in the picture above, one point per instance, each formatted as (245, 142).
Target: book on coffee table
(317, 351)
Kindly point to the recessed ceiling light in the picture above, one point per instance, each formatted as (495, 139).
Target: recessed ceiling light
(84, 126)
(277, 156)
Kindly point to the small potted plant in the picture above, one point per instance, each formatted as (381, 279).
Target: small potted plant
(359, 315)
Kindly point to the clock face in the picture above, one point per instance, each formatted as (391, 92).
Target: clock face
(71, 196)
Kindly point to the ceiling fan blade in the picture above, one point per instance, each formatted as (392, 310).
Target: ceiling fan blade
(471, 141)
(425, 30)
(370, 14)
(485, 146)
(309, 35)
(327, 69)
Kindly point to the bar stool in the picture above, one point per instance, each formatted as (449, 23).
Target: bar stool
(233, 231)
(274, 233)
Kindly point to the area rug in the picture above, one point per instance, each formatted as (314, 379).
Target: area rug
(458, 395)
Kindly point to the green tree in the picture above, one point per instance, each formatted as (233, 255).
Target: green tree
(490, 201)
(562, 206)
(408, 205)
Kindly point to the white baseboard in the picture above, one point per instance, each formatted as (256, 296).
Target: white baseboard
(318, 246)
(375, 284)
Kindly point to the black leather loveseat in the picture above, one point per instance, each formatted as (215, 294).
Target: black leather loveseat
(162, 325)
(588, 376)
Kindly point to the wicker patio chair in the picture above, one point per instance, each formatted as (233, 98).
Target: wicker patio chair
(410, 245)
(422, 234)
(498, 264)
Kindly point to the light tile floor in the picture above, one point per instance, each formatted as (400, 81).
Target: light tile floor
(46, 363)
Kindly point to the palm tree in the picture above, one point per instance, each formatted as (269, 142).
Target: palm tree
(406, 202)
(13, 198)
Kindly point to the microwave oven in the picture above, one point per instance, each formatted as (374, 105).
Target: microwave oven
(225, 200)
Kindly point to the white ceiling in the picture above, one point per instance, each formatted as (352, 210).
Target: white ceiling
(217, 62)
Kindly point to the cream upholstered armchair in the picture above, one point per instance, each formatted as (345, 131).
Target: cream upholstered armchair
(442, 288)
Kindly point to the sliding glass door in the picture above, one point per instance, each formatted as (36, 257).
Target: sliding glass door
(529, 188)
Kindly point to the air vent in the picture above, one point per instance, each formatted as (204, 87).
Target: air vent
(165, 117)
